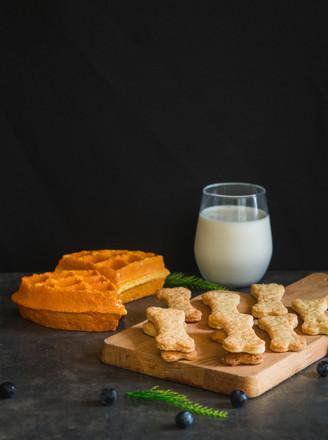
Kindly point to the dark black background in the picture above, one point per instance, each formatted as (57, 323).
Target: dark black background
(115, 114)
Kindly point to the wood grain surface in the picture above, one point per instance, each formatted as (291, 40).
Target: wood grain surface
(132, 349)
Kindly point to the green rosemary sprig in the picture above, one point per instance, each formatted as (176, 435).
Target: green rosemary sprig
(180, 400)
(179, 279)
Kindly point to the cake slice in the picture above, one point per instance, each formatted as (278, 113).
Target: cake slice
(134, 274)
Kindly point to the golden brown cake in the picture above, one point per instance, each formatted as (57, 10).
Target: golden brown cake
(135, 274)
(71, 300)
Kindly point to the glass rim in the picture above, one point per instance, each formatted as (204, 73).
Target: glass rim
(262, 190)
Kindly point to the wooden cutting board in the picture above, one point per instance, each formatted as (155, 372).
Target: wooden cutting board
(132, 349)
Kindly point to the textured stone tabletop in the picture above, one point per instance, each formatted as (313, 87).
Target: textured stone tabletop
(58, 376)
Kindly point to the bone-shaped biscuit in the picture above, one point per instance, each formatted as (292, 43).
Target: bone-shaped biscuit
(312, 311)
(169, 356)
(223, 302)
(169, 324)
(268, 298)
(179, 298)
(173, 356)
(281, 332)
(240, 334)
(234, 359)
(238, 326)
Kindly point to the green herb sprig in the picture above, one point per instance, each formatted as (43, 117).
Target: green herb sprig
(179, 279)
(179, 400)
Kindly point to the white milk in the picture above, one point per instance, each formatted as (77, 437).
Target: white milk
(233, 245)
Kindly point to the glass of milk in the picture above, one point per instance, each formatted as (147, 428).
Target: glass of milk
(233, 243)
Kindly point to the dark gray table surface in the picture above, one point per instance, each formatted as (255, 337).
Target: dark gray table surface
(58, 376)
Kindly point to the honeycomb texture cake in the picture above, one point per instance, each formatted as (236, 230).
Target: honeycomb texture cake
(80, 300)
(134, 274)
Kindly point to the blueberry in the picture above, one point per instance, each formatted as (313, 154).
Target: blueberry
(7, 389)
(184, 419)
(238, 398)
(322, 368)
(108, 396)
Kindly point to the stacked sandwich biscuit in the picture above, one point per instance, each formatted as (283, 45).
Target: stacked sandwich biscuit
(170, 334)
(169, 326)
(233, 329)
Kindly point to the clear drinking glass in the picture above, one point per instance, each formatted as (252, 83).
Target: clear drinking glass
(233, 243)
